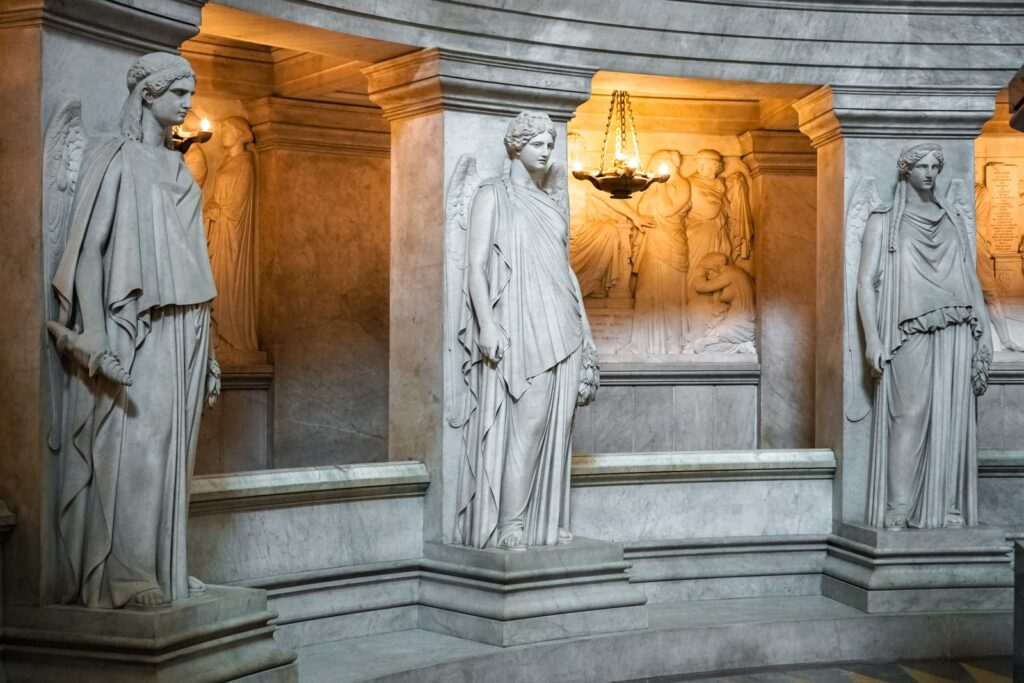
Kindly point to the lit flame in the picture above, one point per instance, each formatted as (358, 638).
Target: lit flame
(620, 156)
(663, 169)
(633, 163)
(577, 165)
(204, 125)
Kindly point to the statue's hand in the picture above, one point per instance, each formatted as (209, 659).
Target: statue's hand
(89, 349)
(491, 343)
(875, 356)
(212, 211)
(212, 382)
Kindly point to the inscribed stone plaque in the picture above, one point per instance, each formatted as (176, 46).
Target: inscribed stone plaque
(1002, 181)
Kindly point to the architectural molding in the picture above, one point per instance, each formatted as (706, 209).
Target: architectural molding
(319, 127)
(834, 112)
(141, 25)
(611, 469)
(624, 373)
(440, 79)
(778, 153)
(305, 485)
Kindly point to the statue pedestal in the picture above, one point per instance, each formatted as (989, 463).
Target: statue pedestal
(514, 597)
(918, 570)
(221, 635)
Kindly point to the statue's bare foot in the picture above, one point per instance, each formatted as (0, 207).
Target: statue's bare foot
(512, 540)
(152, 598)
(954, 520)
(895, 522)
(565, 536)
(195, 587)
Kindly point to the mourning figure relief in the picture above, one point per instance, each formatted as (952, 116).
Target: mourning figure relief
(230, 228)
(927, 343)
(130, 319)
(522, 353)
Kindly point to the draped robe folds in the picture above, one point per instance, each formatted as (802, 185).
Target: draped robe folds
(924, 447)
(707, 234)
(127, 451)
(658, 324)
(516, 437)
(232, 241)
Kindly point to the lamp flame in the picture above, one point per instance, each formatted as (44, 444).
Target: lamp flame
(204, 125)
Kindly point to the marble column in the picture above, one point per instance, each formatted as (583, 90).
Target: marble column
(859, 132)
(443, 104)
(53, 50)
(782, 170)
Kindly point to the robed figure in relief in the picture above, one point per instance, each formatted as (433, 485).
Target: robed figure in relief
(230, 228)
(928, 341)
(523, 351)
(131, 320)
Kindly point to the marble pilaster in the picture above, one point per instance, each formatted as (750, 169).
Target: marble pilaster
(858, 132)
(782, 170)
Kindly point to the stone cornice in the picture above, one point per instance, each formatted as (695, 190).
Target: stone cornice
(320, 127)
(834, 112)
(142, 25)
(437, 79)
(778, 153)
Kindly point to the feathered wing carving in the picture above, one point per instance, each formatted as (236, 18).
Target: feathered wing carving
(961, 203)
(740, 217)
(461, 188)
(556, 185)
(865, 201)
(63, 148)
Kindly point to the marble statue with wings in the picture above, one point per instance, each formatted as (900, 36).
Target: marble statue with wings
(521, 354)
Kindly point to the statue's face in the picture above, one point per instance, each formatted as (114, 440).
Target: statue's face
(537, 152)
(170, 108)
(923, 174)
(707, 168)
(229, 135)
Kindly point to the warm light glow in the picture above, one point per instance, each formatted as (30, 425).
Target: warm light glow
(204, 125)
(577, 165)
(620, 156)
(633, 163)
(663, 169)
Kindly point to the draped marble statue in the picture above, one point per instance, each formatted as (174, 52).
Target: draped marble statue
(598, 251)
(131, 318)
(230, 228)
(927, 340)
(523, 344)
(195, 157)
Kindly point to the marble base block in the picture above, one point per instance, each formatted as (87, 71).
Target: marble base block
(223, 635)
(542, 593)
(918, 570)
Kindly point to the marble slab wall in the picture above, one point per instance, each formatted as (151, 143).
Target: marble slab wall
(324, 304)
(646, 418)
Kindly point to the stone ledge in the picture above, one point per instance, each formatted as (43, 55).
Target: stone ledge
(1000, 463)
(633, 468)
(304, 485)
(618, 372)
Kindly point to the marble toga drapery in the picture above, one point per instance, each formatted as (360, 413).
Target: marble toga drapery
(127, 451)
(924, 448)
(516, 436)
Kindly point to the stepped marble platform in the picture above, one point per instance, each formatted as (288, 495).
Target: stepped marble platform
(697, 637)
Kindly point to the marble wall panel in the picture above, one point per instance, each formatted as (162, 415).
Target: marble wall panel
(248, 545)
(990, 418)
(1001, 503)
(661, 418)
(702, 509)
(234, 434)
(324, 304)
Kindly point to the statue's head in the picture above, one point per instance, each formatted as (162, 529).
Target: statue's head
(709, 163)
(161, 82)
(235, 129)
(920, 164)
(669, 158)
(525, 127)
(713, 261)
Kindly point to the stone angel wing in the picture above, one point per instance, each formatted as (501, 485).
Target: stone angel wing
(556, 185)
(740, 217)
(63, 147)
(962, 204)
(461, 187)
(865, 201)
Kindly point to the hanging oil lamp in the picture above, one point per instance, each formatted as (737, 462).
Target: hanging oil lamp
(625, 176)
(182, 139)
